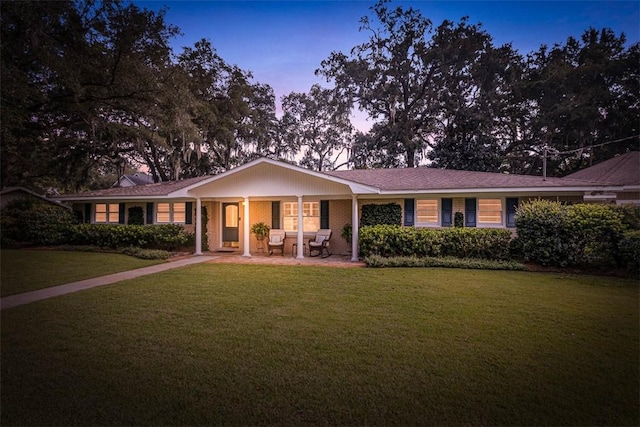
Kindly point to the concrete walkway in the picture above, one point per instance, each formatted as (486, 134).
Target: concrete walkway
(54, 291)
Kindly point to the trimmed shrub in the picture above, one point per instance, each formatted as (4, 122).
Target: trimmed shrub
(458, 220)
(35, 222)
(146, 253)
(394, 241)
(629, 250)
(166, 237)
(569, 235)
(377, 261)
(136, 216)
(387, 214)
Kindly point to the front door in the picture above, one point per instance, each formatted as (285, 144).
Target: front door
(230, 229)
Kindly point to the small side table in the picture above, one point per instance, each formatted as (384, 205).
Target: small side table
(294, 249)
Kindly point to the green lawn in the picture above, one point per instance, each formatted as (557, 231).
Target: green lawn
(28, 270)
(250, 344)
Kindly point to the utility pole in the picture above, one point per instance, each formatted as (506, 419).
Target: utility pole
(544, 164)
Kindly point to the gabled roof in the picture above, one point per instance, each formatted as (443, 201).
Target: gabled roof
(151, 190)
(415, 179)
(138, 178)
(620, 170)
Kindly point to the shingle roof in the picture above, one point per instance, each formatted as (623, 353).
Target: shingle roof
(138, 178)
(620, 170)
(150, 190)
(412, 179)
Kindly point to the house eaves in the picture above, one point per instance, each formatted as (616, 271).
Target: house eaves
(161, 190)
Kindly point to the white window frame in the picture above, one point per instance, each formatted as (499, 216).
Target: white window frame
(482, 224)
(311, 222)
(172, 213)
(109, 212)
(438, 213)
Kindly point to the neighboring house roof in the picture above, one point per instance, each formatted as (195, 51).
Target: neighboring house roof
(620, 170)
(138, 178)
(414, 179)
(8, 194)
(151, 190)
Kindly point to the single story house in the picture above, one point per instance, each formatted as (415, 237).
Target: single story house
(301, 201)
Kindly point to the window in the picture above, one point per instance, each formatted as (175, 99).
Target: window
(167, 213)
(108, 213)
(427, 211)
(490, 211)
(310, 216)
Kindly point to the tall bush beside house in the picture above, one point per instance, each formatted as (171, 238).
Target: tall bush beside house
(387, 214)
(543, 233)
(458, 220)
(136, 216)
(577, 235)
(35, 222)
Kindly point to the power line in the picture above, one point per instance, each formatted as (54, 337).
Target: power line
(594, 146)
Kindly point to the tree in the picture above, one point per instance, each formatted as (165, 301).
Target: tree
(582, 94)
(426, 92)
(477, 104)
(319, 124)
(390, 77)
(86, 70)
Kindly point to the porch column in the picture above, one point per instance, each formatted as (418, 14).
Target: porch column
(247, 235)
(198, 226)
(300, 230)
(354, 229)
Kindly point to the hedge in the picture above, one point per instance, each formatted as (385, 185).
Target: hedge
(35, 222)
(551, 233)
(395, 241)
(377, 261)
(165, 237)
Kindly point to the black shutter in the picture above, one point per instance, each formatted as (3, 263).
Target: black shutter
(188, 213)
(275, 215)
(324, 214)
(512, 206)
(447, 212)
(121, 212)
(87, 213)
(470, 212)
(150, 213)
(409, 211)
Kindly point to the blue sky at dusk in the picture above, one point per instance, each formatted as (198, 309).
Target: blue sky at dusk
(283, 42)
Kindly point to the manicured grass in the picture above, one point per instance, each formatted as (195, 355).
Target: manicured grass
(291, 345)
(28, 270)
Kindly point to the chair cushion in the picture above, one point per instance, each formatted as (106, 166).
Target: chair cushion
(275, 239)
(320, 239)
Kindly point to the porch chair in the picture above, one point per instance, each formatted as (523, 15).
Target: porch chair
(276, 241)
(320, 243)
